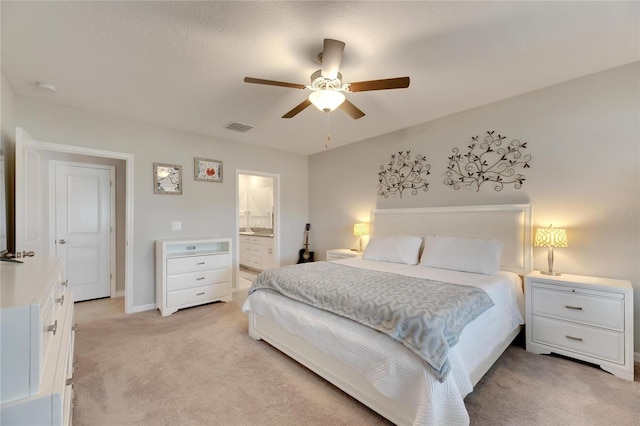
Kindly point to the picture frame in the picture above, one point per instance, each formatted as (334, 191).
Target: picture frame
(167, 179)
(207, 170)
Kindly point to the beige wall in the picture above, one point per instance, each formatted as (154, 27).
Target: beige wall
(584, 138)
(205, 209)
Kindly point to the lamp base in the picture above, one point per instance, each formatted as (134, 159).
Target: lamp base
(552, 273)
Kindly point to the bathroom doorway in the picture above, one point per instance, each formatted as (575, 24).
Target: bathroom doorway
(258, 230)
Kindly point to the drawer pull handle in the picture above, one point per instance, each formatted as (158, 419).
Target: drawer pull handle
(53, 327)
(577, 339)
(61, 300)
(199, 278)
(200, 294)
(575, 308)
(200, 263)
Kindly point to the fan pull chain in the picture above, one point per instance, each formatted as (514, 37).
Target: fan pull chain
(326, 144)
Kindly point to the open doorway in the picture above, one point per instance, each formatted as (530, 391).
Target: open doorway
(33, 160)
(258, 224)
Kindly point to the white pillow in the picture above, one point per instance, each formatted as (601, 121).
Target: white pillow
(462, 254)
(396, 248)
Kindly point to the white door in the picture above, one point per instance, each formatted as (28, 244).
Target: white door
(29, 194)
(83, 227)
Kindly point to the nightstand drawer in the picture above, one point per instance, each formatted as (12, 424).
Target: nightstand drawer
(603, 344)
(602, 311)
(180, 281)
(337, 254)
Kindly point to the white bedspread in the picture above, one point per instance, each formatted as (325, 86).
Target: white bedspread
(390, 367)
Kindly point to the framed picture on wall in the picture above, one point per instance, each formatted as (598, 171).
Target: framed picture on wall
(167, 179)
(206, 170)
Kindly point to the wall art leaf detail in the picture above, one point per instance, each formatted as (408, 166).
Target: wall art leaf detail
(488, 161)
(401, 172)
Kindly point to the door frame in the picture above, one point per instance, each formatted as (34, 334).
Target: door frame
(276, 219)
(112, 213)
(129, 199)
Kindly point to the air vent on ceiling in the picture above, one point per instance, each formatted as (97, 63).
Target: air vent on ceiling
(238, 127)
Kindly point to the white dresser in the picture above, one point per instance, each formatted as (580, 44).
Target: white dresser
(37, 338)
(344, 253)
(256, 252)
(192, 272)
(586, 318)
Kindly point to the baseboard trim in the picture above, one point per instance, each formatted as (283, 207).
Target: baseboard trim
(143, 308)
(119, 293)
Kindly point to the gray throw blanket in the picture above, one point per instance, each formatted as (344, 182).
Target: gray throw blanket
(424, 315)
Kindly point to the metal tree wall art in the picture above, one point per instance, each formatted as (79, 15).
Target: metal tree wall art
(488, 161)
(401, 172)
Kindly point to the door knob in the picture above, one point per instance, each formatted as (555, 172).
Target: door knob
(62, 242)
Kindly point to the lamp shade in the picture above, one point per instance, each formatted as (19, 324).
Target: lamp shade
(327, 99)
(551, 237)
(360, 229)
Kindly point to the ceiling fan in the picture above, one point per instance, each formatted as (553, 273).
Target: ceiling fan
(327, 86)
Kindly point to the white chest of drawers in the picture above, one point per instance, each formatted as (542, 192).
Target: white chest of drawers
(337, 254)
(37, 338)
(256, 252)
(192, 272)
(586, 318)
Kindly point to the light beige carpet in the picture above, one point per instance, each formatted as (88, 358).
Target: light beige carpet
(199, 367)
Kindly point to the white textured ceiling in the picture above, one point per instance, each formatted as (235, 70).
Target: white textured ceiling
(181, 64)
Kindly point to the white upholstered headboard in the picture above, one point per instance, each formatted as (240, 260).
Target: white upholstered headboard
(509, 223)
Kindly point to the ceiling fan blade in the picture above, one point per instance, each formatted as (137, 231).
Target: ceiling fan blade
(274, 83)
(388, 83)
(331, 58)
(351, 109)
(297, 109)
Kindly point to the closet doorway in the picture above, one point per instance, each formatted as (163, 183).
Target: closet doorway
(258, 224)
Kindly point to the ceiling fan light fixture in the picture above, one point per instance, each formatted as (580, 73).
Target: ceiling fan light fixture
(326, 100)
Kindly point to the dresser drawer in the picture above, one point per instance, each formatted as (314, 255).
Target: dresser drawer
(597, 311)
(197, 279)
(197, 263)
(51, 323)
(596, 342)
(197, 294)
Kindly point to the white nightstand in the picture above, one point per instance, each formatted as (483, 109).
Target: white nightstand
(337, 254)
(581, 317)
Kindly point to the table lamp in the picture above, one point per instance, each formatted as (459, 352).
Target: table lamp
(360, 229)
(551, 238)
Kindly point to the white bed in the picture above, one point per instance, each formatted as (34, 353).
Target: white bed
(382, 373)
